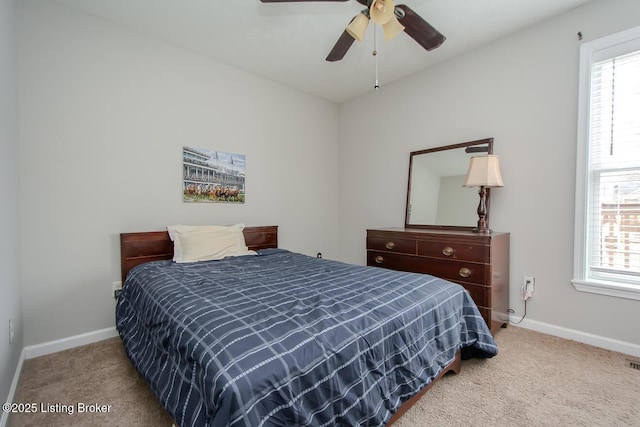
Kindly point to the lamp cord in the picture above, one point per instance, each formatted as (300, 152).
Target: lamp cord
(523, 316)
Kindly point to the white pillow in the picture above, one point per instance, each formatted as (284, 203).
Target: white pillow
(175, 230)
(204, 243)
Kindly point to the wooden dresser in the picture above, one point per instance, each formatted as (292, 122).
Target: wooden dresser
(479, 262)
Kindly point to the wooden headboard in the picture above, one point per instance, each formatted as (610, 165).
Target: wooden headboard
(136, 248)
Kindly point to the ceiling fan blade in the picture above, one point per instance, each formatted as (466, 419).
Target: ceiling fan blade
(341, 47)
(419, 29)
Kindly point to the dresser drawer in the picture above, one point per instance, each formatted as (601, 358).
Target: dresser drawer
(454, 250)
(404, 246)
(458, 271)
(481, 294)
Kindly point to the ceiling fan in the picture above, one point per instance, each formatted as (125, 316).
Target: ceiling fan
(393, 19)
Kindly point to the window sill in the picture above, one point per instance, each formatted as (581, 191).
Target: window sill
(612, 289)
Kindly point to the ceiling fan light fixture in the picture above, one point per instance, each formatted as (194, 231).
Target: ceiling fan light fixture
(392, 28)
(358, 26)
(381, 11)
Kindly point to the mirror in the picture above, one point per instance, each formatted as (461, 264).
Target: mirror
(436, 197)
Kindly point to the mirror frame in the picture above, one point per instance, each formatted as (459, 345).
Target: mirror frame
(465, 145)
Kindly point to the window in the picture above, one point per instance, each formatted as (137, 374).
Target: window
(607, 234)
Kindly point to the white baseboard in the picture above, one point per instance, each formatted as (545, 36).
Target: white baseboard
(583, 337)
(14, 385)
(70, 342)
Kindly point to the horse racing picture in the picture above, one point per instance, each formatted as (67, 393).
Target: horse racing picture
(212, 176)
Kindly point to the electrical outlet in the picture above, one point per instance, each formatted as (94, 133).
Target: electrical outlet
(117, 288)
(11, 331)
(528, 287)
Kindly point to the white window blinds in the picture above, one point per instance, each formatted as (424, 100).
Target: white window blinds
(613, 170)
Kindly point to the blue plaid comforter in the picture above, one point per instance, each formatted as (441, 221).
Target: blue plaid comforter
(283, 339)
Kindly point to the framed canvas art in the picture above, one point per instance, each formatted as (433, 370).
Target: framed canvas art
(212, 176)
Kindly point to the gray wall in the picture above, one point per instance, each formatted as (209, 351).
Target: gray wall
(522, 91)
(10, 301)
(104, 113)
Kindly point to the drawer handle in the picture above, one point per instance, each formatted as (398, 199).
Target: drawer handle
(378, 259)
(464, 272)
(448, 251)
(390, 245)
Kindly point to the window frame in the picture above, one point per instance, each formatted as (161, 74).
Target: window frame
(588, 55)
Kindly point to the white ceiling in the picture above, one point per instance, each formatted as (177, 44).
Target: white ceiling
(288, 42)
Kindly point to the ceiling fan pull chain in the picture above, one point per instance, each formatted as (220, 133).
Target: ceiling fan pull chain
(375, 54)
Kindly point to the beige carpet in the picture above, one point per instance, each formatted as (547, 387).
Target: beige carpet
(536, 380)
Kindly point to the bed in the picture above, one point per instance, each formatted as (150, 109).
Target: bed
(283, 339)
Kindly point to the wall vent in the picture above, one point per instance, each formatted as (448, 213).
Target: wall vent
(633, 364)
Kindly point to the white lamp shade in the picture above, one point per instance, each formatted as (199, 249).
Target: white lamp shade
(381, 11)
(392, 28)
(484, 171)
(358, 26)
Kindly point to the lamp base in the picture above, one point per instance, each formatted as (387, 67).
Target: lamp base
(482, 213)
(482, 230)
